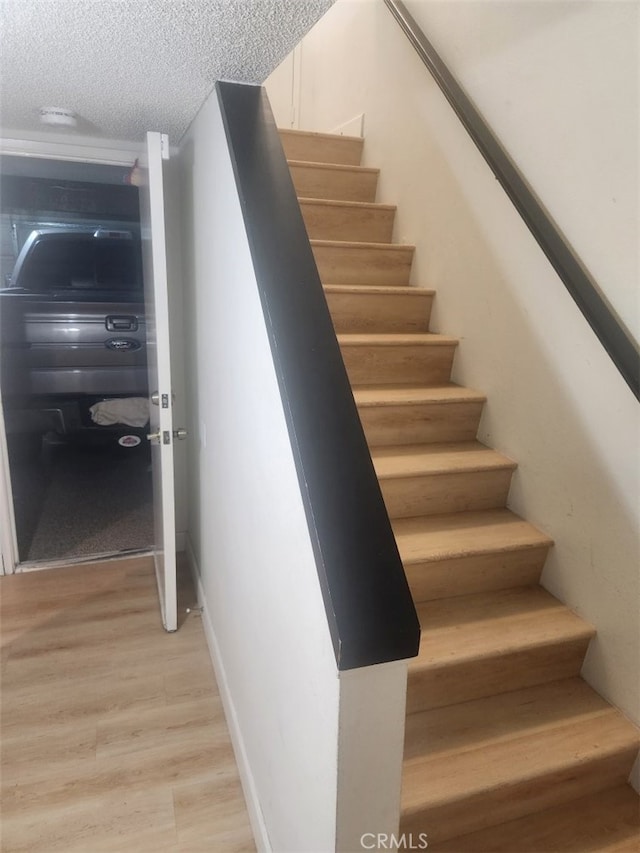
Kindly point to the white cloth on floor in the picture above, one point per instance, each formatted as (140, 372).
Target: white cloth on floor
(132, 411)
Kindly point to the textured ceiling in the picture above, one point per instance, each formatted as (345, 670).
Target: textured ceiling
(128, 66)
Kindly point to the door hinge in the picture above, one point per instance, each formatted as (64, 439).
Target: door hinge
(164, 146)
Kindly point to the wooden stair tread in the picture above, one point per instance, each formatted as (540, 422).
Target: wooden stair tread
(378, 309)
(397, 358)
(463, 553)
(499, 718)
(605, 822)
(337, 212)
(399, 395)
(400, 248)
(353, 262)
(334, 181)
(379, 289)
(483, 625)
(367, 339)
(543, 752)
(461, 534)
(363, 284)
(423, 459)
(318, 134)
(332, 167)
(354, 205)
(436, 412)
(325, 147)
(474, 551)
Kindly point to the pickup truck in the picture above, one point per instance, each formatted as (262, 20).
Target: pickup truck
(72, 329)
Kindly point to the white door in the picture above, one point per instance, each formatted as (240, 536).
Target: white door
(152, 225)
(8, 541)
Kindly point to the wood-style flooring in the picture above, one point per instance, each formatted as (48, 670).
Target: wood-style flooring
(113, 733)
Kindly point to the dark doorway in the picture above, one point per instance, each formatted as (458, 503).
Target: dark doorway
(81, 488)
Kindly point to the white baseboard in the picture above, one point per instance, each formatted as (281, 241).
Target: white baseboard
(353, 127)
(246, 776)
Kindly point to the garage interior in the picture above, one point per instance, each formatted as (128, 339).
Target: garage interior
(72, 499)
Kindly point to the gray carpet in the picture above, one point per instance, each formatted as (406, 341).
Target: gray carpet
(96, 500)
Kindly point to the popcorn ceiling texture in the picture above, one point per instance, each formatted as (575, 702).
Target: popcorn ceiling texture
(128, 66)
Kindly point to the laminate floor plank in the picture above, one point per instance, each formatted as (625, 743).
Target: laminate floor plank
(26, 752)
(196, 804)
(113, 732)
(23, 706)
(114, 822)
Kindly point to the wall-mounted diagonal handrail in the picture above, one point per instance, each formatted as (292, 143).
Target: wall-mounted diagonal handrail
(617, 341)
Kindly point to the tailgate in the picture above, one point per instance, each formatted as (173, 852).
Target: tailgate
(79, 347)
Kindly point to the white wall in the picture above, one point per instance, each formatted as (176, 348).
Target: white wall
(247, 525)
(556, 403)
(559, 84)
(320, 753)
(286, 90)
(371, 747)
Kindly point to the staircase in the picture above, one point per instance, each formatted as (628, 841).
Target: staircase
(506, 747)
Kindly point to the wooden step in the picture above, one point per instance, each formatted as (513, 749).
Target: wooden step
(338, 183)
(479, 764)
(434, 479)
(357, 263)
(397, 414)
(478, 645)
(347, 220)
(358, 308)
(384, 359)
(606, 822)
(322, 147)
(469, 552)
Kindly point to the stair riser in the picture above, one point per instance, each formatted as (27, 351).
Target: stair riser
(418, 424)
(381, 365)
(367, 312)
(368, 225)
(475, 573)
(320, 149)
(334, 184)
(435, 687)
(364, 265)
(495, 806)
(434, 494)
